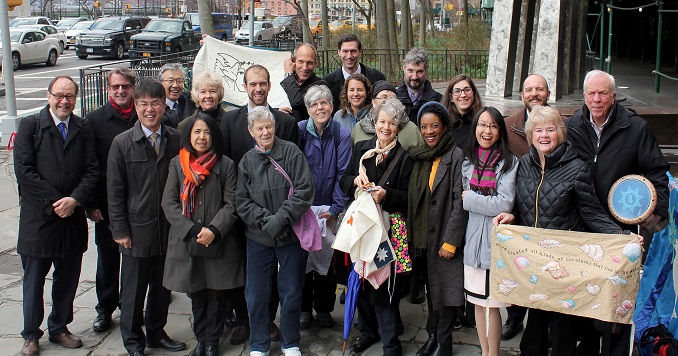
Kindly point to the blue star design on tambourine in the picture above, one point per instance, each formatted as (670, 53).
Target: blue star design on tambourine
(632, 199)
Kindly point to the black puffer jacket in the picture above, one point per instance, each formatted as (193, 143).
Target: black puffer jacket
(561, 196)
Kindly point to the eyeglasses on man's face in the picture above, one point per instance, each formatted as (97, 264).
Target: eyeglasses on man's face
(59, 96)
(124, 87)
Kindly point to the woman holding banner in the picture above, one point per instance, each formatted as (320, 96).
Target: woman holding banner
(554, 190)
(489, 180)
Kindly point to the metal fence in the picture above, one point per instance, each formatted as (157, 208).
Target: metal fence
(94, 79)
(443, 66)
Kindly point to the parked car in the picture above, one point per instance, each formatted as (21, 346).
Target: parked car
(223, 24)
(34, 20)
(52, 32)
(75, 30)
(316, 27)
(289, 26)
(67, 22)
(109, 36)
(163, 36)
(263, 31)
(32, 46)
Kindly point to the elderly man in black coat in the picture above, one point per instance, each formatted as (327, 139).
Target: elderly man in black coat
(57, 171)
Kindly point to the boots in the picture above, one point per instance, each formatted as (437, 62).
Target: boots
(429, 346)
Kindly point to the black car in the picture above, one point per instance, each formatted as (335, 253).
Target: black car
(109, 36)
(163, 36)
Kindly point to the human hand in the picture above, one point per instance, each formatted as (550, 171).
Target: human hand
(443, 253)
(64, 207)
(288, 64)
(326, 215)
(503, 218)
(378, 194)
(272, 226)
(361, 180)
(125, 242)
(202, 40)
(94, 215)
(205, 237)
(639, 237)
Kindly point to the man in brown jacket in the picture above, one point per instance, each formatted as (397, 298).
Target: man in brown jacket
(535, 92)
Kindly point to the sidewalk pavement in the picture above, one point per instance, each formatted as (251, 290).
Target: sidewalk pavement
(314, 341)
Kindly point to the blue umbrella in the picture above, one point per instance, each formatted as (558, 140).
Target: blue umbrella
(353, 288)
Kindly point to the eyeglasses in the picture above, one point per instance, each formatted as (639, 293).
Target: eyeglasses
(457, 91)
(171, 81)
(320, 103)
(154, 104)
(124, 87)
(59, 97)
(485, 126)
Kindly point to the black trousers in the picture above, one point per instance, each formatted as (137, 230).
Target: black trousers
(380, 323)
(319, 292)
(563, 334)
(516, 314)
(209, 315)
(138, 275)
(64, 285)
(108, 270)
(238, 302)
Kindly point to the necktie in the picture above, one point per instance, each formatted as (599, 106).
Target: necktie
(62, 129)
(154, 142)
(175, 107)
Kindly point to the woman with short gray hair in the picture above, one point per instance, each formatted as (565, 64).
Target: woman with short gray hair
(207, 93)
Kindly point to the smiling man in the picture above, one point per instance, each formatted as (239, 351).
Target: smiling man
(57, 171)
(349, 49)
(416, 90)
(299, 76)
(179, 105)
(138, 165)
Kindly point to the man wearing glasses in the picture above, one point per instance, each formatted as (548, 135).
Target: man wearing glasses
(138, 165)
(57, 171)
(416, 90)
(179, 105)
(115, 117)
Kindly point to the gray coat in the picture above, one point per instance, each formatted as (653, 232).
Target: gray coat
(216, 197)
(447, 223)
(481, 209)
(262, 192)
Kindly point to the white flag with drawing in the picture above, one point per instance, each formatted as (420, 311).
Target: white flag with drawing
(230, 62)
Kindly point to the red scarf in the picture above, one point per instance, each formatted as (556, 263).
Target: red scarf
(126, 113)
(195, 171)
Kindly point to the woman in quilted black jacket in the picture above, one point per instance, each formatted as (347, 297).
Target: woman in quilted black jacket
(554, 190)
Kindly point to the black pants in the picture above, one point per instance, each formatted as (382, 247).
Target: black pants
(380, 323)
(563, 334)
(108, 270)
(138, 275)
(209, 315)
(319, 292)
(616, 338)
(236, 297)
(64, 285)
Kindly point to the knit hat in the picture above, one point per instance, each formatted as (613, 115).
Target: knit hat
(382, 85)
(441, 111)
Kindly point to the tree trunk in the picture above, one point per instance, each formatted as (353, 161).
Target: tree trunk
(422, 22)
(406, 24)
(382, 33)
(392, 37)
(466, 15)
(431, 18)
(325, 24)
(205, 14)
(308, 38)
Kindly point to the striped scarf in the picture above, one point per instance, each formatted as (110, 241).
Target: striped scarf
(484, 178)
(195, 171)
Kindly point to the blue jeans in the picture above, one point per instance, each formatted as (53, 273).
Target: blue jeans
(261, 262)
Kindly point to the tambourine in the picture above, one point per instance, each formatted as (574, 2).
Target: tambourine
(632, 199)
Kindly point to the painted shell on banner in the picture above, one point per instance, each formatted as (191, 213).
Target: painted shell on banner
(632, 251)
(567, 304)
(593, 289)
(538, 297)
(522, 262)
(526, 237)
(571, 289)
(501, 264)
(615, 259)
(624, 308)
(534, 279)
(555, 270)
(550, 243)
(596, 306)
(594, 251)
(504, 235)
(507, 286)
(616, 279)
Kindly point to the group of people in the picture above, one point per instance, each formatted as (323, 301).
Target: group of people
(191, 198)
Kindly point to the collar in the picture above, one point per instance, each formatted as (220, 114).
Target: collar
(148, 132)
(171, 103)
(599, 131)
(414, 97)
(347, 74)
(57, 121)
(249, 108)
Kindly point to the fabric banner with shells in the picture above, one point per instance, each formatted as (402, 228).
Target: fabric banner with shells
(585, 274)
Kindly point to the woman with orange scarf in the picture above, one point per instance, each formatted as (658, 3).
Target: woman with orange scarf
(203, 258)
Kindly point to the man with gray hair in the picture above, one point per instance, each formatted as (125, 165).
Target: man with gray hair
(614, 141)
(416, 90)
(179, 104)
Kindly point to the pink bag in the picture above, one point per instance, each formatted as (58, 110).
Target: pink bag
(307, 228)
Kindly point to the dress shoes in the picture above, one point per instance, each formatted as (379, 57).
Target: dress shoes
(362, 344)
(443, 349)
(427, 348)
(167, 344)
(136, 353)
(240, 334)
(66, 339)
(273, 332)
(305, 319)
(102, 322)
(199, 350)
(212, 350)
(325, 320)
(31, 348)
(510, 330)
(418, 296)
